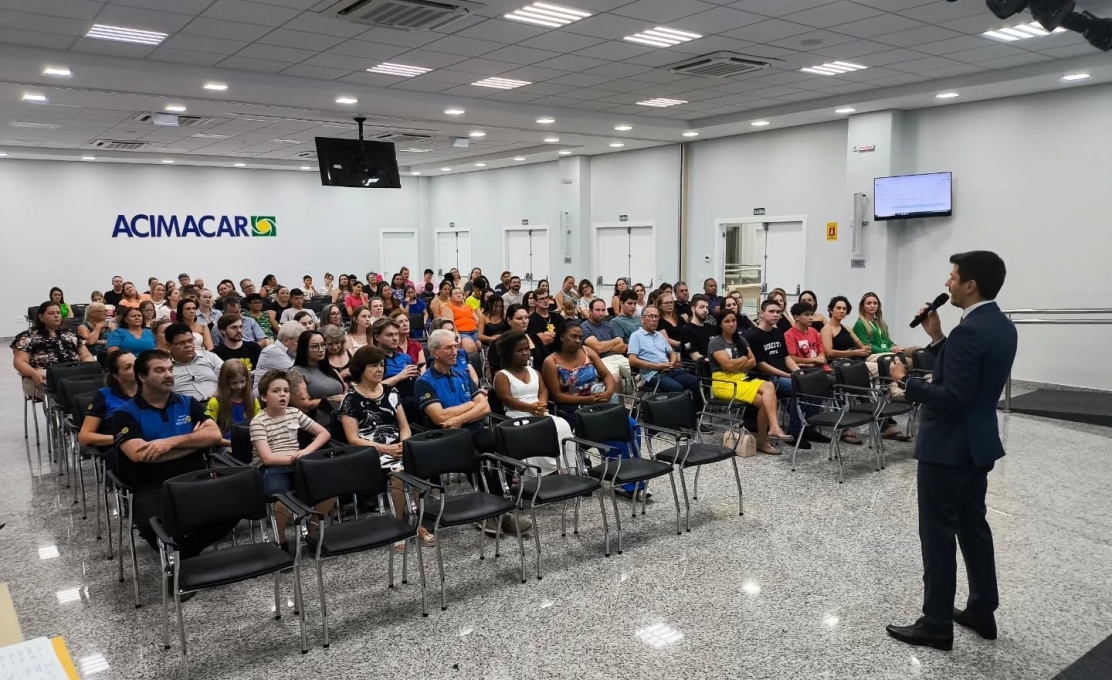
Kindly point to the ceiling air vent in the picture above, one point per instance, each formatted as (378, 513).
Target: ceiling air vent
(307, 155)
(172, 119)
(719, 65)
(401, 138)
(409, 15)
(119, 144)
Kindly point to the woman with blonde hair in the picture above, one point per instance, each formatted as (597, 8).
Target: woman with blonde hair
(94, 330)
(233, 402)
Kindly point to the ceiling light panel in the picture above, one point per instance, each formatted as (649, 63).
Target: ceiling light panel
(947, 95)
(662, 37)
(399, 70)
(1075, 76)
(834, 68)
(58, 71)
(128, 35)
(454, 112)
(216, 87)
(661, 102)
(502, 83)
(32, 97)
(346, 100)
(545, 14)
(1021, 32)
(623, 128)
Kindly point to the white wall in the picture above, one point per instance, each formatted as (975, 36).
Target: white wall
(1031, 182)
(59, 218)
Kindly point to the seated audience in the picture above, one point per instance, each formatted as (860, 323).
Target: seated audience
(474, 298)
(503, 283)
(817, 319)
(297, 304)
(415, 306)
(342, 290)
(336, 350)
(401, 371)
(130, 296)
(130, 335)
(543, 322)
(628, 320)
(307, 286)
(586, 296)
(803, 341)
(650, 353)
(43, 345)
(255, 312)
(492, 320)
(158, 298)
(734, 304)
(475, 273)
(270, 286)
(278, 306)
(442, 299)
(389, 301)
(234, 346)
(195, 371)
(781, 297)
(871, 328)
(146, 308)
(208, 315)
(427, 286)
(57, 297)
(567, 291)
(169, 309)
(223, 290)
(517, 319)
(639, 288)
(187, 314)
(114, 296)
(252, 331)
(356, 298)
(234, 401)
(599, 336)
(683, 300)
(183, 280)
(671, 324)
(730, 359)
(93, 331)
(360, 332)
(96, 296)
(332, 315)
(247, 287)
(698, 331)
(620, 286)
(315, 387)
(838, 341)
(158, 330)
(377, 309)
(274, 433)
(397, 286)
(464, 318)
(329, 286)
(305, 318)
(161, 435)
(463, 362)
(714, 301)
(513, 294)
(280, 355)
(771, 352)
(120, 386)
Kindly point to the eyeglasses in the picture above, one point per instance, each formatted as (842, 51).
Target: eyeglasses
(316, 347)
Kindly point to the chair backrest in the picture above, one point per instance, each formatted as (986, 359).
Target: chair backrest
(852, 373)
(671, 410)
(32, 313)
(242, 448)
(195, 499)
(67, 369)
(416, 325)
(884, 364)
(603, 423)
(338, 471)
(78, 311)
(74, 385)
(811, 384)
(79, 407)
(476, 361)
(530, 437)
(438, 452)
(924, 359)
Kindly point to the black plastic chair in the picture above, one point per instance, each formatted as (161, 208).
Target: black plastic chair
(54, 374)
(922, 361)
(67, 389)
(534, 437)
(852, 380)
(193, 500)
(814, 389)
(351, 470)
(81, 405)
(242, 449)
(427, 456)
(610, 422)
(669, 416)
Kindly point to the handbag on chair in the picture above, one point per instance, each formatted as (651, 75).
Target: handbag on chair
(741, 441)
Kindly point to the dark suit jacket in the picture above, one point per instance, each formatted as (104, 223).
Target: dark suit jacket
(959, 404)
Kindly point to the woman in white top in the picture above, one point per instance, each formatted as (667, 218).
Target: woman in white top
(187, 314)
(359, 334)
(522, 392)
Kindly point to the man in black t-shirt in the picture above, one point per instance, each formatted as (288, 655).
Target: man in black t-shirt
(543, 324)
(234, 346)
(771, 352)
(114, 296)
(696, 334)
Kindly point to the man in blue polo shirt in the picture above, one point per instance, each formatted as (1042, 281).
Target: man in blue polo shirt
(658, 362)
(159, 435)
(400, 371)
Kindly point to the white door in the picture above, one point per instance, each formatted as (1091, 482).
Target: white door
(463, 253)
(538, 258)
(453, 249)
(642, 257)
(399, 249)
(784, 248)
(611, 257)
(518, 261)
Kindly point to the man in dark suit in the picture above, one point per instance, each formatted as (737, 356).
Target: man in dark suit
(958, 444)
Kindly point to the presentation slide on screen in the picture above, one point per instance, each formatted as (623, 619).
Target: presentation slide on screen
(912, 195)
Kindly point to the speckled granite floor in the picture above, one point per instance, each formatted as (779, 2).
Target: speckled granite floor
(800, 587)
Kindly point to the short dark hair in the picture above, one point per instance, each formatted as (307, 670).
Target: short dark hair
(983, 266)
(839, 298)
(699, 297)
(801, 308)
(297, 292)
(627, 295)
(39, 325)
(429, 271)
(598, 300)
(264, 384)
(175, 330)
(367, 355)
(233, 300)
(227, 320)
(708, 280)
(143, 361)
(227, 281)
(253, 297)
(770, 301)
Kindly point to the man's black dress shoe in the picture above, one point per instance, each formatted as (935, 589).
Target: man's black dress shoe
(986, 628)
(924, 634)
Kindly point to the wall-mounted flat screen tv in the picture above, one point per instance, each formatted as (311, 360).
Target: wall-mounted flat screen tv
(906, 197)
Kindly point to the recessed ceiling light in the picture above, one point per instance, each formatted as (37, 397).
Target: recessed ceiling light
(454, 112)
(947, 95)
(445, 169)
(845, 110)
(551, 140)
(834, 68)
(416, 150)
(565, 152)
(128, 35)
(616, 145)
(88, 158)
(241, 165)
(1075, 76)
(216, 87)
(502, 83)
(1021, 32)
(37, 126)
(400, 70)
(661, 102)
(31, 97)
(662, 37)
(477, 133)
(175, 108)
(760, 123)
(346, 100)
(544, 14)
(206, 135)
(519, 158)
(287, 141)
(691, 133)
(415, 173)
(3, 155)
(60, 71)
(167, 161)
(623, 128)
(546, 121)
(306, 167)
(480, 165)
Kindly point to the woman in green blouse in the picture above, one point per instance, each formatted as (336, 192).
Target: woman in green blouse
(59, 298)
(871, 328)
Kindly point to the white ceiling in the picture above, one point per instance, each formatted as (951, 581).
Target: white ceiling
(285, 64)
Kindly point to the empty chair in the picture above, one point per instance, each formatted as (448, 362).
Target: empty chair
(814, 389)
(68, 388)
(427, 456)
(53, 407)
(535, 437)
(193, 500)
(669, 416)
(81, 405)
(602, 423)
(242, 449)
(852, 380)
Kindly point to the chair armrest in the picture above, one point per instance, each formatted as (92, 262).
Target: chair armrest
(115, 480)
(417, 428)
(877, 392)
(724, 417)
(499, 417)
(674, 434)
(298, 510)
(510, 462)
(161, 533)
(421, 485)
(587, 443)
(224, 459)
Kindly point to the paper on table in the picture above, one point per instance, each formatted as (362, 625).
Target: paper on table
(31, 660)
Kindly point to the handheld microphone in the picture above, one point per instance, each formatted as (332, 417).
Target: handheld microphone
(938, 302)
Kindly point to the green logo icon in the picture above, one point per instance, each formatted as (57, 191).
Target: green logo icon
(263, 225)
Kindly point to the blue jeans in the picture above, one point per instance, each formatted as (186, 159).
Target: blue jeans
(677, 380)
(784, 389)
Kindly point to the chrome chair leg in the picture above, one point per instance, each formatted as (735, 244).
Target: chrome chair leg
(405, 558)
(575, 519)
(617, 516)
(120, 533)
(686, 502)
(134, 557)
(482, 537)
(695, 486)
(277, 596)
(390, 567)
(440, 562)
(676, 500)
(605, 526)
(165, 604)
(737, 478)
(324, 605)
(520, 542)
(299, 597)
(563, 519)
(424, 588)
(536, 540)
(181, 632)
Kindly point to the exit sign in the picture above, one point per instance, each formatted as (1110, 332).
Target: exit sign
(525, 223)
(623, 218)
(758, 211)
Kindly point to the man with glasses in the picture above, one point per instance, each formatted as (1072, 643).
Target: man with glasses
(279, 355)
(114, 296)
(543, 323)
(195, 371)
(234, 346)
(650, 353)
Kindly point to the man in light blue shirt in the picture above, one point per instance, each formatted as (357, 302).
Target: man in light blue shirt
(650, 353)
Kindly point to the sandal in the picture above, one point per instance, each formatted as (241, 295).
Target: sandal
(768, 449)
(896, 436)
(850, 438)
